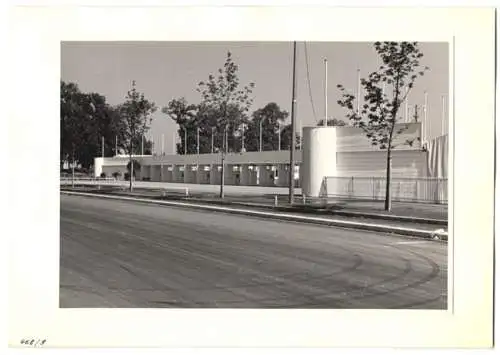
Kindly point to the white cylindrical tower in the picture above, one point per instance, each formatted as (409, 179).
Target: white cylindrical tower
(319, 159)
(98, 163)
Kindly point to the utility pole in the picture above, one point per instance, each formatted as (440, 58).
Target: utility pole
(291, 186)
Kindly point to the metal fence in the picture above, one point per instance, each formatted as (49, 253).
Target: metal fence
(65, 180)
(429, 190)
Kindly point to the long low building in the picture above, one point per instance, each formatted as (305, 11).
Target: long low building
(329, 158)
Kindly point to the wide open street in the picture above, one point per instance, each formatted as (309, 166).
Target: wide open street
(124, 254)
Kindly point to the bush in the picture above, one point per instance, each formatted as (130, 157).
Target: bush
(103, 175)
(116, 174)
(127, 176)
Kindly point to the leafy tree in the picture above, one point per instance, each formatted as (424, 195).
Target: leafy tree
(136, 111)
(184, 114)
(272, 118)
(379, 115)
(223, 95)
(285, 138)
(85, 119)
(79, 119)
(332, 122)
(69, 109)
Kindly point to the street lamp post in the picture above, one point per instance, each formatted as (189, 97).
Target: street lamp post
(73, 169)
(185, 140)
(260, 135)
(212, 150)
(279, 136)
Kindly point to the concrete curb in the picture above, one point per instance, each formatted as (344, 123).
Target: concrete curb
(297, 208)
(426, 234)
(343, 213)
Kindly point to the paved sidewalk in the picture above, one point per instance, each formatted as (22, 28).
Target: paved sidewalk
(339, 207)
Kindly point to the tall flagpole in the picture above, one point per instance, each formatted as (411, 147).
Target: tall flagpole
(102, 144)
(162, 144)
(142, 144)
(359, 92)
(326, 93)
(406, 104)
(116, 145)
(291, 183)
(173, 143)
(426, 112)
(443, 113)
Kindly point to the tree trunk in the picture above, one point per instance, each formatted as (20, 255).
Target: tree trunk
(388, 202)
(224, 147)
(73, 170)
(131, 173)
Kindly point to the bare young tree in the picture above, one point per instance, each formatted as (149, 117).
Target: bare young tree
(137, 111)
(379, 115)
(222, 94)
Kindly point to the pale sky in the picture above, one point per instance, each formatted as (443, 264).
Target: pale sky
(166, 70)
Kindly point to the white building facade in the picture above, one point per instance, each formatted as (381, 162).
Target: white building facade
(330, 155)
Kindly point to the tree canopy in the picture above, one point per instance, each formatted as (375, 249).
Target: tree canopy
(85, 118)
(379, 115)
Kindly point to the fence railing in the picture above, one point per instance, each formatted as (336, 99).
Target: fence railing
(430, 190)
(64, 180)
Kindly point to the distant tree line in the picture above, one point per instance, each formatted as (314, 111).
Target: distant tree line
(221, 116)
(85, 118)
(222, 121)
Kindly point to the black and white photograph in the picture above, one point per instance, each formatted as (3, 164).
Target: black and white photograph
(251, 176)
(176, 187)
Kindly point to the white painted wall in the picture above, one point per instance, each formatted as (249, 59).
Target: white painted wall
(405, 163)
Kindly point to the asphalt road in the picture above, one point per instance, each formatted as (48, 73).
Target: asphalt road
(122, 254)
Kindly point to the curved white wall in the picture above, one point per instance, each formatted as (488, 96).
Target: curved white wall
(319, 158)
(98, 166)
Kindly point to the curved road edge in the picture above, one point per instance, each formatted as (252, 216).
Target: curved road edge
(438, 235)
